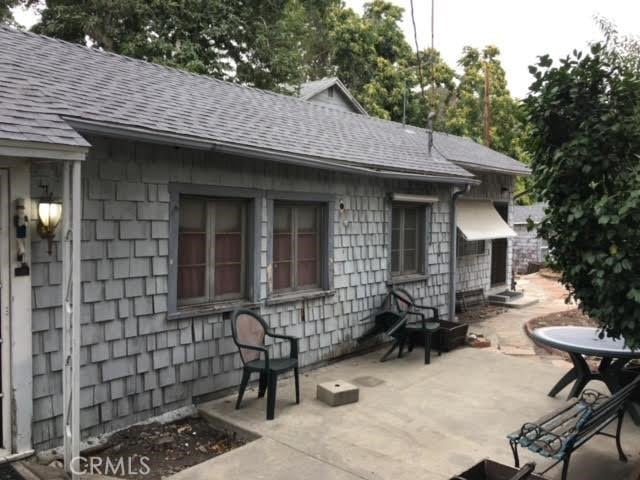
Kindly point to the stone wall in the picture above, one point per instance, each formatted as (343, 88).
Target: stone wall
(137, 363)
(527, 247)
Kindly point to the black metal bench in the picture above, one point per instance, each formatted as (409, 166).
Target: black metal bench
(563, 431)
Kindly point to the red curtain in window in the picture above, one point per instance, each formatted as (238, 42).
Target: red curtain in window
(282, 248)
(192, 251)
(307, 261)
(228, 248)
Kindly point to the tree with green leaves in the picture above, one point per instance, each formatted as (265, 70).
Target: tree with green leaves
(251, 42)
(467, 116)
(622, 49)
(585, 142)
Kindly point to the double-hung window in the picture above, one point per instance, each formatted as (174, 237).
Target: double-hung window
(297, 253)
(212, 250)
(407, 239)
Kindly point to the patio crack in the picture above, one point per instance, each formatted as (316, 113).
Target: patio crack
(319, 459)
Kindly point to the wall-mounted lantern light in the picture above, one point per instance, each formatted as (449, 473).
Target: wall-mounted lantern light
(49, 214)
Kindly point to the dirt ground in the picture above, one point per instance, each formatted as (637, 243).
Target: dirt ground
(569, 318)
(479, 313)
(572, 317)
(168, 448)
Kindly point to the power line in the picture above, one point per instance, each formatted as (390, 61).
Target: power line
(415, 38)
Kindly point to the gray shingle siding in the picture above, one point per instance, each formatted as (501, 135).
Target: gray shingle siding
(148, 364)
(136, 361)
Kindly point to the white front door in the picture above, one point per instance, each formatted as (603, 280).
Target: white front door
(5, 323)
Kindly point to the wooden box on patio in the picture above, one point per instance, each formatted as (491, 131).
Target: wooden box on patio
(449, 335)
(490, 470)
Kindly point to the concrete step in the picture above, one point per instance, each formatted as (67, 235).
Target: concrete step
(520, 302)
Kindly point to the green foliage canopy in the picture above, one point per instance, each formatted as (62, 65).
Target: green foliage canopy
(585, 139)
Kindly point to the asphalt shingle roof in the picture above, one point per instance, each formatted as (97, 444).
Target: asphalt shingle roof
(475, 156)
(522, 212)
(26, 116)
(69, 81)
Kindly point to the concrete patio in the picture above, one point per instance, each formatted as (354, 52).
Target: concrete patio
(414, 420)
(419, 421)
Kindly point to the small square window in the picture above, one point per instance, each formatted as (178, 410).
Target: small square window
(467, 248)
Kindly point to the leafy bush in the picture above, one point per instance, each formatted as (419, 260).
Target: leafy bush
(585, 140)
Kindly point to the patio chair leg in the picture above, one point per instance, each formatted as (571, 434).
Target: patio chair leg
(272, 380)
(262, 385)
(390, 351)
(621, 455)
(427, 348)
(514, 450)
(403, 340)
(243, 384)
(297, 382)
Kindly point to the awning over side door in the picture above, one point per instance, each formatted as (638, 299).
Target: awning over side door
(479, 220)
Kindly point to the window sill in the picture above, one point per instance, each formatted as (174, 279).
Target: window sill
(209, 309)
(297, 296)
(399, 280)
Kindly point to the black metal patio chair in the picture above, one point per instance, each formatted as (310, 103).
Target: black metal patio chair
(417, 326)
(249, 331)
(400, 318)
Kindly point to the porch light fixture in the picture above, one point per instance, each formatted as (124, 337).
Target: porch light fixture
(49, 214)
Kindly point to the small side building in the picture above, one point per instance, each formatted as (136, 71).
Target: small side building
(527, 246)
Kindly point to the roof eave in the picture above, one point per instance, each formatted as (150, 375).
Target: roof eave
(141, 134)
(42, 150)
(525, 172)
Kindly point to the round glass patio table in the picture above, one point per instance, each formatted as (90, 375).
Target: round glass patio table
(581, 341)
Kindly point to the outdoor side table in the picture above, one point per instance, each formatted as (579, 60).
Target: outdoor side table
(581, 341)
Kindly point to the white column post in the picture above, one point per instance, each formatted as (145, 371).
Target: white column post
(71, 307)
(76, 228)
(65, 237)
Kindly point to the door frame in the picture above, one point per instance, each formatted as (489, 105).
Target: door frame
(498, 205)
(5, 312)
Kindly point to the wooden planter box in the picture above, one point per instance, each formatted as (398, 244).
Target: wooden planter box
(450, 335)
(490, 470)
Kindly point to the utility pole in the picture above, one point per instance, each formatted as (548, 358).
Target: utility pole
(486, 115)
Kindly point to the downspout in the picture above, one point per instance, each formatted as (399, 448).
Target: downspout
(453, 250)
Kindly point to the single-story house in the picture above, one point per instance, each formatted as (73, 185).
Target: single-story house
(183, 197)
(527, 246)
